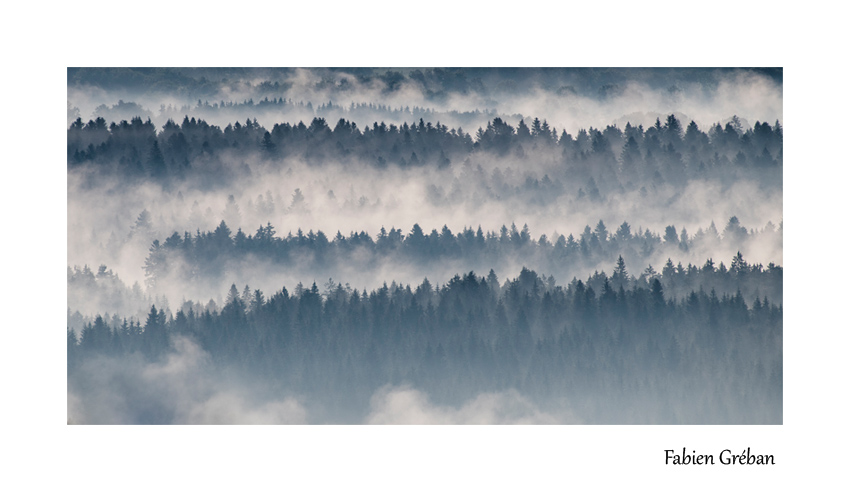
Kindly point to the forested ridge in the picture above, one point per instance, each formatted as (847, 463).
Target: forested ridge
(471, 335)
(665, 152)
(277, 108)
(211, 255)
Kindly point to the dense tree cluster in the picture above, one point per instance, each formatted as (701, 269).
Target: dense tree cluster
(214, 255)
(633, 347)
(103, 291)
(277, 108)
(664, 153)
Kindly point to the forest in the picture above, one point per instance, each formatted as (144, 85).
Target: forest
(668, 152)
(472, 335)
(363, 244)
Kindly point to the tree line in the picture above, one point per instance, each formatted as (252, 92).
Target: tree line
(212, 254)
(667, 152)
(636, 346)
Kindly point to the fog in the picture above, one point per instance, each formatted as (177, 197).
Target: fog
(186, 388)
(102, 222)
(569, 99)
(635, 212)
(409, 406)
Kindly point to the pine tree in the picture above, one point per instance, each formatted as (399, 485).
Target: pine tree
(156, 161)
(620, 275)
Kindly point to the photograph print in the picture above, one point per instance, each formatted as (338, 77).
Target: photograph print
(424, 246)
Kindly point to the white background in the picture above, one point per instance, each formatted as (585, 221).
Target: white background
(41, 40)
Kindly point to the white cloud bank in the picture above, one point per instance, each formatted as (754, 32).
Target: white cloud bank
(405, 405)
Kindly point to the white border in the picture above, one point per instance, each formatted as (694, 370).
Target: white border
(41, 42)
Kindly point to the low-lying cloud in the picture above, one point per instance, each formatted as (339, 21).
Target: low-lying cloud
(568, 100)
(184, 388)
(405, 405)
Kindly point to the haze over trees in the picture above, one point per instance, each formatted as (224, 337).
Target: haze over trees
(598, 348)
(394, 236)
(212, 255)
(611, 157)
